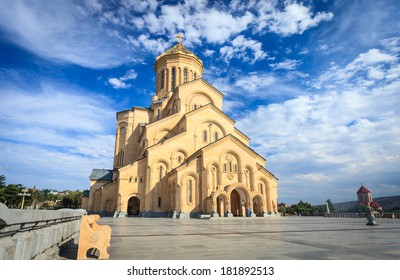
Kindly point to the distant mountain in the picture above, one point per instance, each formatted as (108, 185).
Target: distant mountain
(388, 203)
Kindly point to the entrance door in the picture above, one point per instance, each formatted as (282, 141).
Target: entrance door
(257, 206)
(221, 205)
(236, 207)
(133, 206)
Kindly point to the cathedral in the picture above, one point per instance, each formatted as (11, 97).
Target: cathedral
(182, 157)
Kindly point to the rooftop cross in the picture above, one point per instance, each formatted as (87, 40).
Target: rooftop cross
(179, 36)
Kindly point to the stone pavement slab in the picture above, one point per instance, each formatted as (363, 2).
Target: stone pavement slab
(287, 238)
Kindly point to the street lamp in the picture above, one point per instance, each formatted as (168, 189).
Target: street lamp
(23, 194)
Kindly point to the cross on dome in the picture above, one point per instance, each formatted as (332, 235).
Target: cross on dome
(179, 36)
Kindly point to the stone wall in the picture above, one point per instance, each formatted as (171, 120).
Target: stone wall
(36, 234)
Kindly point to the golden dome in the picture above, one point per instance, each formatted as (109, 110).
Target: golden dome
(179, 49)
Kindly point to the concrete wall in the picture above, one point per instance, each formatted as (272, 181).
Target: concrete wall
(36, 234)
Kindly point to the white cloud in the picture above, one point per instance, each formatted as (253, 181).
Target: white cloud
(53, 133)
(230, 106)
(140, 6)
(328, 139)
(61, 31)
(376, 73)
(50, 107)
(119, 83)
(197, 20)
(336, 138)
(46, 168)
(208, 53)
(254, 82)
(287, 64)
(294, 19)
(155, 46)
(372, 56)
(374, 64)
(392, 44)
(129, 75)
(243, 48)
(94, 4)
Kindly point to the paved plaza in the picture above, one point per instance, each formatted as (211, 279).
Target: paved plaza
(287, 238)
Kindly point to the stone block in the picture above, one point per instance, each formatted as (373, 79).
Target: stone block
(93, 235)
(7, 248)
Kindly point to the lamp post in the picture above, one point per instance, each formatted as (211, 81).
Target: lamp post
(23, 194)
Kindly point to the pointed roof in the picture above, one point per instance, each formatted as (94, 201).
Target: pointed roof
(363, 190)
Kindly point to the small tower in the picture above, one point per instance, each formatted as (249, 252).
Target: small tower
(176, 66)
(364, 196)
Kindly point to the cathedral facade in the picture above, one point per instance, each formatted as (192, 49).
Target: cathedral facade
(182, 157)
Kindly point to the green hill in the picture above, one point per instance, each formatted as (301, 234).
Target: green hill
(388, 203)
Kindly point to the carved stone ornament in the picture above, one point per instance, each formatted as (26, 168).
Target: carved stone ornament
(229, 157)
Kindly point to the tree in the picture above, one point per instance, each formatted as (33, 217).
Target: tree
(2, 181)
(10, 195)
(358, 208)
(67, 202)
(72, 199)
(319, 209)
(2, 186)
(303, 208)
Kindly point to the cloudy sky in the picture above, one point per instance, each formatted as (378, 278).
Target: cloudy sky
(314, 84)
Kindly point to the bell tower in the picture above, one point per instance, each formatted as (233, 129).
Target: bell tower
(176, 66)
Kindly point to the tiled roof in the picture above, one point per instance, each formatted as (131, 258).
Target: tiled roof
(363, 190)
(101, 174)
(375, 204)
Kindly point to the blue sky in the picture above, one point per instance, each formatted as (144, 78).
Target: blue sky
(314, 84)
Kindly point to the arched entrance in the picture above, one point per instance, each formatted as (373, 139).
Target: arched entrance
(221, 205)
(257, 207)
(238, 203)
(235, 203)
(133, 206)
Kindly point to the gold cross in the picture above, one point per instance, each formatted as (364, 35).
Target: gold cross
(179, 36)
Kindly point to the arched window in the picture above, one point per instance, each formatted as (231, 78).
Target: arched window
(190, 191)
(215, 136)
(162, 79)
(261, 187)
(121, 158)
(195, 75)
(185, 75)
(231, 164)
(161, 172)
(173, 76)
(205, 136)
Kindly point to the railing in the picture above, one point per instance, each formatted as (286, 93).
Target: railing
(362, 215)
(36, 234)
